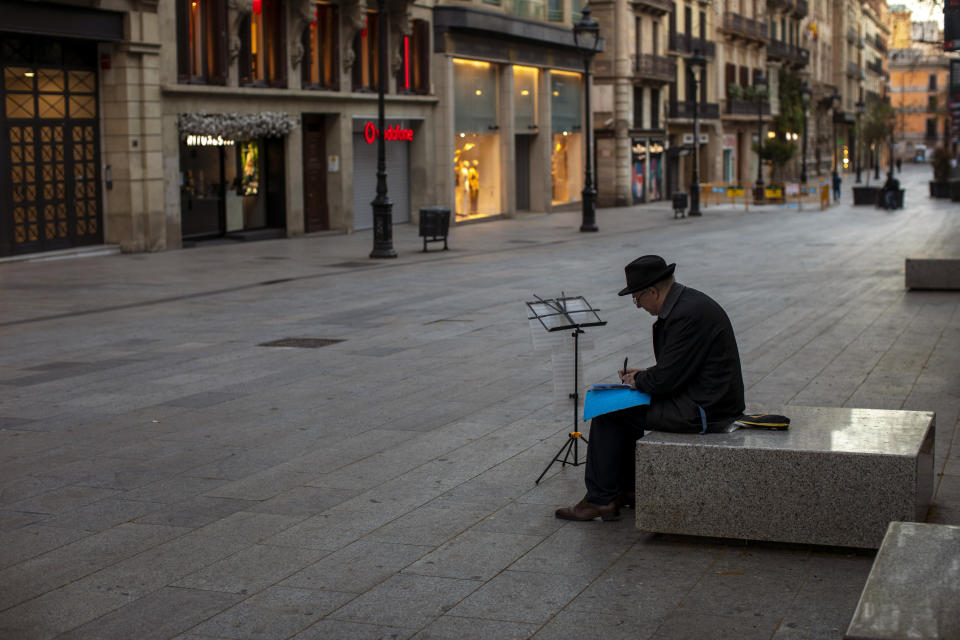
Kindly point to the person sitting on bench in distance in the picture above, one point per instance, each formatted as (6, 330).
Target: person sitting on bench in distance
(696, 385)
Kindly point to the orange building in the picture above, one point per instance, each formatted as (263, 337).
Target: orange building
(918, 94)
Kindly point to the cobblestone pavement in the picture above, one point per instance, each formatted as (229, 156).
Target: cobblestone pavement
(164, 475)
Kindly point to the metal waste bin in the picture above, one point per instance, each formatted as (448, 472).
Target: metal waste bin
(434, 225)
(680, 204)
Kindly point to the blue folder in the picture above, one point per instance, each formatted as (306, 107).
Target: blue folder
(601, 401)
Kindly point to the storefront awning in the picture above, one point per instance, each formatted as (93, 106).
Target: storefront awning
(236, 126)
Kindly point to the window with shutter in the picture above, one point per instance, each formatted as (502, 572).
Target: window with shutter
(201, 41)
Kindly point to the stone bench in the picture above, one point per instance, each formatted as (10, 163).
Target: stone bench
(913, 590)
(927, 272)
(836, 477)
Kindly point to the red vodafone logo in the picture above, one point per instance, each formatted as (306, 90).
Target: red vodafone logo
(394, 132)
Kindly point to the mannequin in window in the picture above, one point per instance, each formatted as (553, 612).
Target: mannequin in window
(473, 185)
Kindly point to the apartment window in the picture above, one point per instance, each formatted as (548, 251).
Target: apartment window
(783, 29)
(201, 41)
(773, 29)
(655, 37)
(730, 76)
(703, 25)
(654, 108)
(687, 22)
(932, 86)
(262, 62)
(744, 76)
(931, 128)
(414, 75)
(638, 107)
(366, 62)
(638, 41)
(320, 47)
(931, 104)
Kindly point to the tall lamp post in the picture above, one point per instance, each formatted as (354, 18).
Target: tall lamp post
(805, 95)
(586, 37)
(695, 66)
(382, 207)
(834, 103)
(861, 107)
(759, 84)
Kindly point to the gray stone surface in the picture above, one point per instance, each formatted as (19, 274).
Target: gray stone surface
(932, 272)
(836, 477)
(147, 441)
(914, 586)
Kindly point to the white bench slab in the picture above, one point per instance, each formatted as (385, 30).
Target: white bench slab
(930, 272)
(913, 590)
(836, 477)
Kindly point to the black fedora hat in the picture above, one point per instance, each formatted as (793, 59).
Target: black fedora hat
(646, 271)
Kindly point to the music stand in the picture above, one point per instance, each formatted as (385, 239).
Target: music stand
(562, 314)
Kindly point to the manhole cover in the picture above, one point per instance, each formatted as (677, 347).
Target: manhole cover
(352, 265)
(301, 343)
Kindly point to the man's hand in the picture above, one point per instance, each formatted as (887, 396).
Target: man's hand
(626, 376)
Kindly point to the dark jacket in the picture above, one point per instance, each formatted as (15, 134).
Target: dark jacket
(698, 364)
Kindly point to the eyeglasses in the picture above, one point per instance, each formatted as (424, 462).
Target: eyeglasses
(638, 296)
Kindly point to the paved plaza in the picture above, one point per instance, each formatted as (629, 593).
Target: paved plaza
(165, 475)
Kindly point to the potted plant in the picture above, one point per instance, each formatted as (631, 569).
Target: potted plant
(940, 185)
(734, 91)
(873, 132)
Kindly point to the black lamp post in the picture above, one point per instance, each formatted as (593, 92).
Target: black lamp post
(834, 103)
(382, 207)
(695, 67)
(805, 95)
(859, 146)
(586, 37)
(759, 84)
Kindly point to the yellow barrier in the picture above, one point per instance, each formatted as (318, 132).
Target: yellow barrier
(815, 193)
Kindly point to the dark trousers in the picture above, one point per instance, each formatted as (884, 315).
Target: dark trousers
(611, 457)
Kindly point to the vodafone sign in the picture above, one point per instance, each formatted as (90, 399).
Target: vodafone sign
(393, 132)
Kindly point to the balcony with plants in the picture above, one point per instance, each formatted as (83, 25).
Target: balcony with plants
(747, 101)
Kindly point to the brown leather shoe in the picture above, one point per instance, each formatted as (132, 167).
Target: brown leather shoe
(584, 510)
(627, 500)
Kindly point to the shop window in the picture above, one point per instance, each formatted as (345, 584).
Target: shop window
(525, 81)
(931, 128)
(366, 62)
(201, 41)
(262, 62)
(320, 49)
(566, 158)
(476, 154)
(414, 75)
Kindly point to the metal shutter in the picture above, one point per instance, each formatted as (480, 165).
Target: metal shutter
(365, 180)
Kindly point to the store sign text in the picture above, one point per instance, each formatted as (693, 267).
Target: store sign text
(208, 141)
(394, 132)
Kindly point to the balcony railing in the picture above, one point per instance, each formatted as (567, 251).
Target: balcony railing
(876, 66)
(684, 109)
(748, 28)
(656, 67)
(536, 9)
(683, 43)
(746, 107)
(801, 9)
(853, 69)
(783, 51)
(655, 6)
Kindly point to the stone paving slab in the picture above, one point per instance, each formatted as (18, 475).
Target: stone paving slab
(162, 475)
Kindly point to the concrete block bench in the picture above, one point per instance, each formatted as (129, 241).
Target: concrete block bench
(927, 272)
(913, 590)
(836, 477)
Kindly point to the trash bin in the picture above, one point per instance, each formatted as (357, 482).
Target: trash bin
(679, 204)
(434, 225)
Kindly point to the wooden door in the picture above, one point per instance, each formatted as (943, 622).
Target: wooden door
(315, 210)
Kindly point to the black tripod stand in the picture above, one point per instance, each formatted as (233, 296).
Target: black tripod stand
(557, 315)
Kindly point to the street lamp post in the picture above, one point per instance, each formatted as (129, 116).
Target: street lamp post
(695, 66)
(805, 95)
(586, 37)
(382, 207)
(860, 109)
(834, 103)
(759, 83)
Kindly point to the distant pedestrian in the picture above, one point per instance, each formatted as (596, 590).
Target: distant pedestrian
(899, 165)
(837, 181)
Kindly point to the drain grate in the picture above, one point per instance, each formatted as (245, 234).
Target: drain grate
(301, 343)
(351, 265)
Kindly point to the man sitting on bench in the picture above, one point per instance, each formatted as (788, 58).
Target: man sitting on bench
(696, 386)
